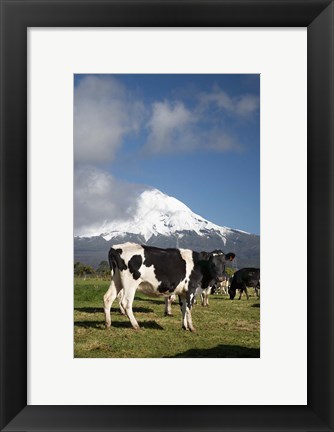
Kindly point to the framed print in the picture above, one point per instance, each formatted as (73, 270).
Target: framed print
(144, 401)
(231, 335)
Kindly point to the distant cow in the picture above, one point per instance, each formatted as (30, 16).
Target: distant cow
(222, 286)
(157, 271)
(243, 278)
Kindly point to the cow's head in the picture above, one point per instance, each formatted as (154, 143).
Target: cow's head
(232, 293)
(217, 263)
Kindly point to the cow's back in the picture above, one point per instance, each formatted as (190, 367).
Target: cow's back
(154, 270)
(246, 276)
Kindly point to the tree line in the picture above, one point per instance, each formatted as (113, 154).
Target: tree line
(84, 270)
(103, 270)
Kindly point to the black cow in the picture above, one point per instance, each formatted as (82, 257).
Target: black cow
(243, 278)
(157, 271)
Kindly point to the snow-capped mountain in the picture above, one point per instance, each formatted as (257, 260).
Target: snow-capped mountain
(161, 220)
(160, 214)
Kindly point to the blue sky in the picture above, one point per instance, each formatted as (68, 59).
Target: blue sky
(194, 137)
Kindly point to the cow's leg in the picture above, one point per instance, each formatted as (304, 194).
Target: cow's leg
(127, 301)
(108, 299)
(207, 295)
(189, 300)
(168, 306)
(226, 289)
(120, 297)
(240, 291)
(204, 297)
(183, 307)
(246, 292)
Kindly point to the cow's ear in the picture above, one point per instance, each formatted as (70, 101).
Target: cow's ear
(230, 256)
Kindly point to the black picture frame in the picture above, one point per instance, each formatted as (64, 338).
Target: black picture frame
(16, 17)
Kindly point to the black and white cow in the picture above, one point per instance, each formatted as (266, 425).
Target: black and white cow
(210, 285)
(222, 286)
(156, 271)
(243, 278)
(206, 291)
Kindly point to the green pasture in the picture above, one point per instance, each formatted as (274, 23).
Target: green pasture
(224, 329)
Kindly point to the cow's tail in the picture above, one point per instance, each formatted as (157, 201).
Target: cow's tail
(115, 261)
(112, 258)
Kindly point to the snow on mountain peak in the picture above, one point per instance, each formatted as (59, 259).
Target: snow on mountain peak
(156, 213)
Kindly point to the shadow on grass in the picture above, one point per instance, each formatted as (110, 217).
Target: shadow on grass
(225, 351)
(112, 310)
(144, 324)
(151, 300)
(90, 324)
(117, 324)
(151, 325)
(256, 305)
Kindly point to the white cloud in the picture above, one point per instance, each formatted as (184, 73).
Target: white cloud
(246, 105)
(219, 141)
(241, 106)
(99, 199)
(169, 127)
(173, 128)
(104, 113)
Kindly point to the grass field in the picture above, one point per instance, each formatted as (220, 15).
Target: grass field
(225, 329)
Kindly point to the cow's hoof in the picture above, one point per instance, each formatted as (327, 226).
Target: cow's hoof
(193, 330)
(184, 328)
(107, 326)
(168, 314)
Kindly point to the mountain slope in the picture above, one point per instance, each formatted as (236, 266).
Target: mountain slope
(163, 221)
(157, 213)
